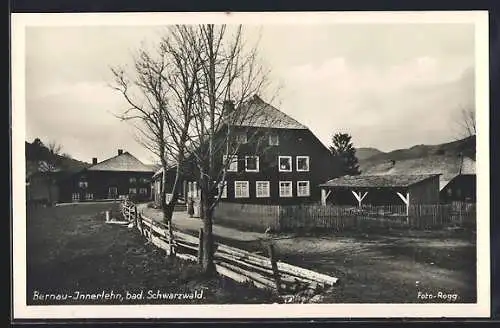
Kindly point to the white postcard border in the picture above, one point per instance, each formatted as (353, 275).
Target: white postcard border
(481, 309)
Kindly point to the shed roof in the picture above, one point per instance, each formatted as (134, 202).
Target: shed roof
(124, 162)
(377, 181)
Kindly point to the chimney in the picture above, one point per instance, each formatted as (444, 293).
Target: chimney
(94, 160)
(120, 151)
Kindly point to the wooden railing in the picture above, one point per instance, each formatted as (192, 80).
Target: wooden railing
(234, 263)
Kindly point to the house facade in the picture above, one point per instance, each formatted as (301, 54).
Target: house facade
(118, 177)
(278, 161)
(462, 187)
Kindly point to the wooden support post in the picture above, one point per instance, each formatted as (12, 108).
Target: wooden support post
(359, 197)
(406, 200)
(324, 196)
(107, 216)
(200, 246)
(274, 266)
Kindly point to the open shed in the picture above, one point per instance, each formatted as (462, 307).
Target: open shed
(381, 190)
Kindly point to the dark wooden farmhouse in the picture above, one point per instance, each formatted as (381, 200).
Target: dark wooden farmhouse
(44, 169)
(278, 161)
(382, 190)
(120, 176)
(462, 187)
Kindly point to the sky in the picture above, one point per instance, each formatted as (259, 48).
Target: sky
(390, 86)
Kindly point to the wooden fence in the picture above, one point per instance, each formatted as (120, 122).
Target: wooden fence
(234, 263)
(340, 218)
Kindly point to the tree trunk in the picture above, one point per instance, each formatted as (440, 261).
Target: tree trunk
(168, 208)
(208, 255)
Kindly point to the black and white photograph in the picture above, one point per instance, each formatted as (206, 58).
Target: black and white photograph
(246, 165)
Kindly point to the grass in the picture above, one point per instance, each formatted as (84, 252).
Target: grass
(70, 249)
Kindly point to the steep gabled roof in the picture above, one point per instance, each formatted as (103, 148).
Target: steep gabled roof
(258, 113)
(373, 181)
(124, 162)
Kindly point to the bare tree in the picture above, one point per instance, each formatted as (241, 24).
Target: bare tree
(226, 105)
(466, 122)
(160, 94)
(189, 101)
(49, 163)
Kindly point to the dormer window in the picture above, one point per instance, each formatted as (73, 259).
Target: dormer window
(274, 139)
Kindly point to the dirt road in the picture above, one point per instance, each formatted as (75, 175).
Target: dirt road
(375, 267)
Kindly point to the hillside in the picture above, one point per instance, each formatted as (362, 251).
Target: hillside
(37, 152)
(364, 153)
(444, 159)
(465, 146)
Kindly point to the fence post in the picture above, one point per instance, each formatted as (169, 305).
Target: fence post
(200, 246)
(141, 229)
(135, 215)
(274, 266)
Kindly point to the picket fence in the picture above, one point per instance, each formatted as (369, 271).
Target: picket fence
(339, 218)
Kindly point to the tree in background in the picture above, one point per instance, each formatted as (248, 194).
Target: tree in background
(49, 160)
(466, 122)
(343, 148)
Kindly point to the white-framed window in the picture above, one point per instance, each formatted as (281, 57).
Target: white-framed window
(143, 191)
(132, 191)
(232, 163)
(302, 164)
(285, 163)
(83, 184)
(144, 180)
(222, 185)
(286, 189)
(113, 191)
(251, 163)
(132, 180)
(274, 139)
(262, 189)
(303, 189)
(241, 189)
(241, 137)
(89, 196)
(75, 196)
